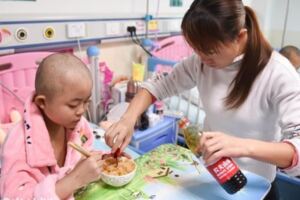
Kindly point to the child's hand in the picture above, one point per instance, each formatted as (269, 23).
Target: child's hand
(215, 145)
(88, 170)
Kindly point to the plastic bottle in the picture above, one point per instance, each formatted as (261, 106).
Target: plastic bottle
(159, 108)
(225, 170)
(132, 89)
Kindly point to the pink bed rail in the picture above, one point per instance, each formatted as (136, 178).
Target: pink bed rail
(17, 75)
(173, 48)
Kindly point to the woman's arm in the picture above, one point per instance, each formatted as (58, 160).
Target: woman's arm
(280, 154)
(183, 77)
(119, 134)
(215, 145)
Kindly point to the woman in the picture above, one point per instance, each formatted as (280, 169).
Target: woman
(250, 93)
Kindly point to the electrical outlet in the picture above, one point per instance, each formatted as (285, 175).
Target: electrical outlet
(112, 28)
(49, 32)
(21, 34)
(126, 25)
(76, 30)
(139, 25)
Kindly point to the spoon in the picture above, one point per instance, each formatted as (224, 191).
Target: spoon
(116, 155)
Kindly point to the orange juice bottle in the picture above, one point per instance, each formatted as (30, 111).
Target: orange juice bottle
(191, 134)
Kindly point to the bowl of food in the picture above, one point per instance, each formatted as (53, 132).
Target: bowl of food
(118, 172)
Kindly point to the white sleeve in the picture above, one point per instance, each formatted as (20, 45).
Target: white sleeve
(285, 97)
(294, 170)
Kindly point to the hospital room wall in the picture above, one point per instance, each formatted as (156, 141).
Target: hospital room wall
(279, 27)
(292, 34)
(279, 20)
(119, 56)
(72, 9)
(271, 15)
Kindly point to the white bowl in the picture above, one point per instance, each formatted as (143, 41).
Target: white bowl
(118, 180)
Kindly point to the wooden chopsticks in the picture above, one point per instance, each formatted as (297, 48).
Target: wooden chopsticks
(80, 149)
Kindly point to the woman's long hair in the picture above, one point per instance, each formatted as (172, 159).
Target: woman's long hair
(209, 23)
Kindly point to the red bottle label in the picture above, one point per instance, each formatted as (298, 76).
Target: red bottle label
(223, 169)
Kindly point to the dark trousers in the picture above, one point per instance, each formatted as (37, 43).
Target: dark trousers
(273, 193)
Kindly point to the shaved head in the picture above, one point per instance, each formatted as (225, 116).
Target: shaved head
(292, 53)
(287, 51)
(58, 70)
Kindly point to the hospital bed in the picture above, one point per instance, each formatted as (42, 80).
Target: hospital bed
(17, 75)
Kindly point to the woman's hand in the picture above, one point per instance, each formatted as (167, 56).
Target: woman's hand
(119, 134)
(215, 145)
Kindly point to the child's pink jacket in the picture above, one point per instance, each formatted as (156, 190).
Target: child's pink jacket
(29, 168)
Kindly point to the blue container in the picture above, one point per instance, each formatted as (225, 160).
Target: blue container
(163, 132)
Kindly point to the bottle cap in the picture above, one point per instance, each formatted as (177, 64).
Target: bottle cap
(183, 122)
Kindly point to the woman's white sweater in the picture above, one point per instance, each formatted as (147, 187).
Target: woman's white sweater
(270, 113)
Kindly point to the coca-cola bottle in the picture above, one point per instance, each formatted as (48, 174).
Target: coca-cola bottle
(224, 170)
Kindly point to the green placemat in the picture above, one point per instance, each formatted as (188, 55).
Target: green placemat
(165, 156)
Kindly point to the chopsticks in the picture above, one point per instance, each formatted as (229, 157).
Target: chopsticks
(87, 154)
(80, 149)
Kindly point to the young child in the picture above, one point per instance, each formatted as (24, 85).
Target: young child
(36, 161)
(292, 53)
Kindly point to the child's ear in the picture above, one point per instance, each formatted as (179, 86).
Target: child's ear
(39, 100)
